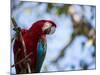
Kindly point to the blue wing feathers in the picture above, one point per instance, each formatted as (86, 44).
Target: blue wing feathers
(40, 55)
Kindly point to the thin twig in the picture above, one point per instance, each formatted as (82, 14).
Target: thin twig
(18, 30)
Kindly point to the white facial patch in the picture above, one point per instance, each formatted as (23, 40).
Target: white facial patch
(46, 25)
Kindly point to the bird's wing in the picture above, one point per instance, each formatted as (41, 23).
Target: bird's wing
(41, 50)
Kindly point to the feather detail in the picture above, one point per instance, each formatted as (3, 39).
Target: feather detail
(40, 54)
(35, 42)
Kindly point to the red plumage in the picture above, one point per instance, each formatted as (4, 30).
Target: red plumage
(31, 38)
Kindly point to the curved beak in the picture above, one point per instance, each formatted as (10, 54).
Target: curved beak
(52, 30)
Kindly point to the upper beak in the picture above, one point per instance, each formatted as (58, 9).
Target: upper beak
(52, 30)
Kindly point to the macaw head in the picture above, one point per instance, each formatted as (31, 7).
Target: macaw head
(43, 26)
(49, 27)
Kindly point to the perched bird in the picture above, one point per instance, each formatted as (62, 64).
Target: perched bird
(30, 47)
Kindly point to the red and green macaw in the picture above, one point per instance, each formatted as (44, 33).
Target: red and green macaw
(34, 40)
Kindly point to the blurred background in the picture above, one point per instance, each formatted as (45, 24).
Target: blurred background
(73, 45)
